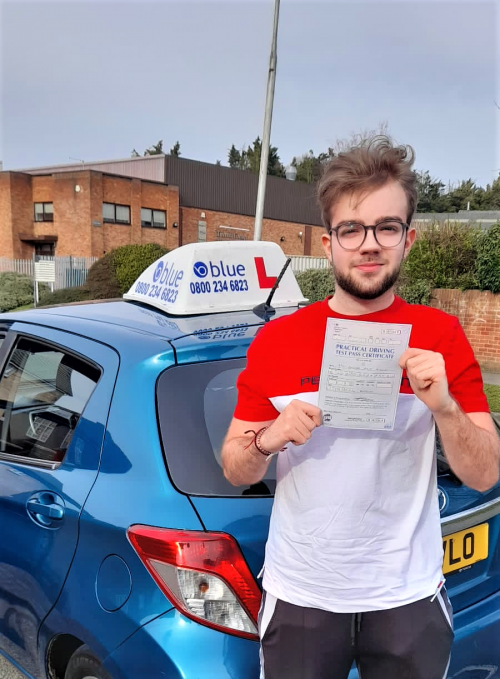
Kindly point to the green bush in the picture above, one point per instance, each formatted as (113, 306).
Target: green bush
(130, 261)
(101, 280)
(16, 289)
(445, 256)
(414, 291)
(64, 296)
(115, 273)
(316, 284)
(488, 261)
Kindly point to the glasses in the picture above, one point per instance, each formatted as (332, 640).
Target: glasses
(388, 233)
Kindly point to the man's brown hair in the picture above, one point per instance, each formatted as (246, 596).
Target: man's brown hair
(363, 168)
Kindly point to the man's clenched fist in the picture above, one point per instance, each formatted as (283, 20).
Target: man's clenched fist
(293, 425)
(427, 375)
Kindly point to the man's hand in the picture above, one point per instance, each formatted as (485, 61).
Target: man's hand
(294, 425)
(427, 375)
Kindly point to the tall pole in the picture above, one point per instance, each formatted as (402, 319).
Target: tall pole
(266, 135)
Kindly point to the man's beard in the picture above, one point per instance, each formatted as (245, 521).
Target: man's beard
(353, 288)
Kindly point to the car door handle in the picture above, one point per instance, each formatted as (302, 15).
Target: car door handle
(51, 511)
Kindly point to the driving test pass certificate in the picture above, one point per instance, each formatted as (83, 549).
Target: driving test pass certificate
(360, 373)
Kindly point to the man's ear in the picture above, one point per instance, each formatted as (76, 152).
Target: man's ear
(326, 242)
(410, 239)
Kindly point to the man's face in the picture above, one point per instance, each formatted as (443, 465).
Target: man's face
(369, 271)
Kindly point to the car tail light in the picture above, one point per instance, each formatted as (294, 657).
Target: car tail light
(204, 575)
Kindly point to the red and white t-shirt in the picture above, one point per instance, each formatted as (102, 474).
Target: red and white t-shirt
(355, 524)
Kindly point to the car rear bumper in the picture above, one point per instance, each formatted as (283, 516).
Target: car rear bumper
(173, 646)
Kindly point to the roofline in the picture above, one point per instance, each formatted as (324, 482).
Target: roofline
(90, 162)
(33, 173)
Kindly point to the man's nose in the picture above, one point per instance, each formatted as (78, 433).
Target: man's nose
(370, 243)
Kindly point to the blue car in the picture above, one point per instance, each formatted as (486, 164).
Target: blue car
(124, 552)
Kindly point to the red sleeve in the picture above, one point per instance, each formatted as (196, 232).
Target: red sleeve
(464, 374)
(253, 405)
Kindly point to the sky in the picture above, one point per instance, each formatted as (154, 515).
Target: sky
(92, 80)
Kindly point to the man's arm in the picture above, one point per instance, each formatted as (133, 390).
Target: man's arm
(470, 442)
(471, 445)
(243, 464)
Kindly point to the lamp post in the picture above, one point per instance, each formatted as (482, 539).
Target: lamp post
(266, 135)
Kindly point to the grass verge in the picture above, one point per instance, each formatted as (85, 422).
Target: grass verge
(492, 392)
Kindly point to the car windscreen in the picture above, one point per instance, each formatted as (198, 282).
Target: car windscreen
(195, 405)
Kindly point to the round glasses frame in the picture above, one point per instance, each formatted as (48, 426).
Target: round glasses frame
(371, 227)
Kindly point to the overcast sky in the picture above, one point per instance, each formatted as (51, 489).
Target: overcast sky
(92, 80)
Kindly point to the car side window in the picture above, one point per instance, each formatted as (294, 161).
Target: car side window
(43, 391)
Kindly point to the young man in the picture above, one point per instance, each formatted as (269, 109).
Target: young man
(354, 554)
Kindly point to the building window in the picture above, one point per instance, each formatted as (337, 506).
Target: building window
(154, 218)
(44, 212)
(115, 214)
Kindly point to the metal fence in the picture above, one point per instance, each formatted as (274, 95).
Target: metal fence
(302, 263)
(70, 272)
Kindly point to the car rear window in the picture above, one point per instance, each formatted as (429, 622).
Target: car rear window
(195, 406)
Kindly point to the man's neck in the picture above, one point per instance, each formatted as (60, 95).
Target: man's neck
(347, 305)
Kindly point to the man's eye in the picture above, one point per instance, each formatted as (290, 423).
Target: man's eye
(350, 229)
(390, 226)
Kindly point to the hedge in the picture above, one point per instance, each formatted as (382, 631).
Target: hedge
(114, 274)
(316, 284)
(16, 289)
(64, 296)
(488, 260)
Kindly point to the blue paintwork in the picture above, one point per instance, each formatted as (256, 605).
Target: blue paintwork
(114, 583)
(80, 576)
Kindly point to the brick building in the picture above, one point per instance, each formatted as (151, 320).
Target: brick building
(88, 210)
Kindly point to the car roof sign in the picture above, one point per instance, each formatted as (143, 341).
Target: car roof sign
(201, 278)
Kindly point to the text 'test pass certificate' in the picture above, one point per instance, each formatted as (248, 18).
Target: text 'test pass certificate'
(360, 373)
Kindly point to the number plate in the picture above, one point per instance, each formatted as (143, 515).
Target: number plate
(465, 548)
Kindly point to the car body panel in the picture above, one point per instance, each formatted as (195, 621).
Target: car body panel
(245, 518)
(34, 559)
(182, 649)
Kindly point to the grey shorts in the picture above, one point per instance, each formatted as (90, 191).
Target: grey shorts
(408, 642)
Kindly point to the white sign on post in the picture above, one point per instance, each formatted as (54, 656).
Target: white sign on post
(45, 272)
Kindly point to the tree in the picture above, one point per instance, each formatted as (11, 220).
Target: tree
(274, 166)
(135, 154)
(491, 197)
(234, 157)
(309, 166)
(466, 195)
(176, 150)
(430, 193)
(218, 163)
(155, 150)
(249, 159)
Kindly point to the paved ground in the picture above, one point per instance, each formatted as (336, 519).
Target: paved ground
(7, 671)
(491, 378)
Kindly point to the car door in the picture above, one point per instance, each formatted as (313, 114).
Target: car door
(55, 392)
